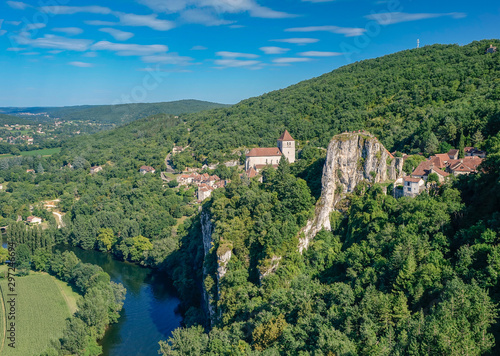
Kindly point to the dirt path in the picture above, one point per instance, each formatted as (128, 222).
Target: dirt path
(59, 221)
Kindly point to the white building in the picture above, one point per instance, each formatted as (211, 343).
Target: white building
(34, 220)
(412, 186)
(260, 157)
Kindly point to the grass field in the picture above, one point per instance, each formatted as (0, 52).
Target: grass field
(42, 305)
(44, 152)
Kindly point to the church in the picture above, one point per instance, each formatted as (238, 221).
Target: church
(260, 157)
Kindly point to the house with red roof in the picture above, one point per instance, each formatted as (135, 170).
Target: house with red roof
(260, 157)
(146, 169)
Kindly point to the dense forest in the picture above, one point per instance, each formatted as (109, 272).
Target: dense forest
(116, 114)
(408, 276)
(12, 120)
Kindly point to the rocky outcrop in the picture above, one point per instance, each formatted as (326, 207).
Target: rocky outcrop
(350, 159)
(207, 228)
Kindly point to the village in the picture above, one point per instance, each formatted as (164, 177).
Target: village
(435, 170)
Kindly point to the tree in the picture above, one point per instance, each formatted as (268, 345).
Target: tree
(39, 168)
(433, 178)
(75, 336)
(105, 239)
(190, 342)
(4, 254)
(432, 144)
(461, 146)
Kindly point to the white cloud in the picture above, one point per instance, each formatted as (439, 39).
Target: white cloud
(274, 50)
(81, 64)
(117, 34)
(346, 31)
(2, 32)
(14, 23)
(236, 26)
(15, 49)
(236, 55)
(320, 54)
(198, 48)
(233, 63)
(68, 30)
(145, 20)
(123, 49)
(69, 10)
(167, 58)
(30, 53)
(34, 26)
(90, 54)
(17, 5)
(216, 6)
(299, 41)
(101, 23)
(203, 17)
(286, 60)
(53, 42)
(390, 18)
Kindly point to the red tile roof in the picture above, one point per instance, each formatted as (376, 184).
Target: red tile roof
(264, 151)
(251, 172)
(424, 167)
(260, 166)
(286, 136)
(410, 179)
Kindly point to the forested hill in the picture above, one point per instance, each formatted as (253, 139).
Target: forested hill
(12, 120)
(403, 98)
(118, 114)
(413, 101)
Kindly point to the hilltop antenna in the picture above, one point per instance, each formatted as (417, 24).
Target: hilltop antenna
(418, 43)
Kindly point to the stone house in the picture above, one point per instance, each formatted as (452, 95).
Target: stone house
(472, 151)
(34, 220)
(260, 157)
(146, 169)
(412, 186)
(95, 169)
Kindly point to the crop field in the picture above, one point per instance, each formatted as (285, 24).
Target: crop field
(44, 152)
(42, 305)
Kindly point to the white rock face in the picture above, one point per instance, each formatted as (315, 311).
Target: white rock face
(222, 261)
(350, 158)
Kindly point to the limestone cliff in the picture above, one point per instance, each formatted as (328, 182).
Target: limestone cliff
(350, 159)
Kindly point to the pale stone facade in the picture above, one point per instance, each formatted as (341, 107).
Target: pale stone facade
(258, 158)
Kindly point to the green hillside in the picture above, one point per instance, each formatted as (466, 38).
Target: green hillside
(402, 98)
(118, 114)
(12, 120)
(406, 99)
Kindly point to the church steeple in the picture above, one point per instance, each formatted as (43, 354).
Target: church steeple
(286, 144)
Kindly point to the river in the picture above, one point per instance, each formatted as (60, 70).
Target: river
(149, 311)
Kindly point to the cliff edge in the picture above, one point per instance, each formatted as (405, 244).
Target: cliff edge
(350, 159)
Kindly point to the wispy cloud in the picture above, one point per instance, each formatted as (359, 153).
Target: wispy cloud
(17, 5)
(203, 17)
(53, 42)
(217, 7)
(69, 10)
(234, 63)
(315, 1)
(390, 18)
(167, 58)
(236, 55)
(145, 20)
(117, 34)
(299, 41)
(287, 60)
(123, 49)
(100, 23)
(346, 31)
(13, 23)
(68, 30)
(319, 54)
(274, 50)
(198, 48)
(34, 26)
(81, 64)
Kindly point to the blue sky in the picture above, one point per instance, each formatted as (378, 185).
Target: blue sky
(74, 52)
